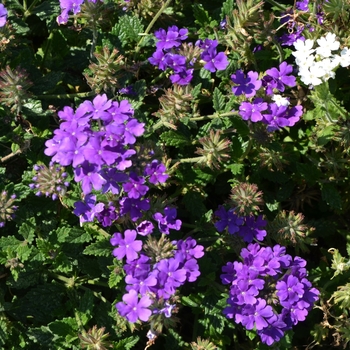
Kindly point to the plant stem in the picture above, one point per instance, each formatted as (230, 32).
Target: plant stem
(63, 96)
(47, 47)
(276, 4)
(188, 160)
(149, 27)
(30, 8)
(215, 115)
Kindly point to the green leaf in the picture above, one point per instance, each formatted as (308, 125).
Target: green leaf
(174, 138)
(127, 343)
(128, 30)
(27, 229)
(331, 196)
(65, 331)
(73, 235)
(100, 248)
(235, 168)
(86, 306)
(193, 202)
(309, 172)
(116, 275)
(201, 15)
(218, 100)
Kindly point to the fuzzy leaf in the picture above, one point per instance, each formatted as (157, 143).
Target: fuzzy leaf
(127, 343)
(201, 15)
(218, 100)
(128, 29)
(173, 138)
(27, 230)
(331, 196)
(100, 248)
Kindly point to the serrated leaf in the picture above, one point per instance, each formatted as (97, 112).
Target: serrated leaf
(235, 168)
(201, 15)
(218, 100)
(196, 90)
(64, 326)
(27, 229)
(173, 138)
(331, 196)
(127, 343)
(86, 306)
(309, 172)
(116, 274)
(100, 248)
(193, 202)
(73, 235)
(128, 29)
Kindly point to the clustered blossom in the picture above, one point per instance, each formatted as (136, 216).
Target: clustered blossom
(213, 61)
(168, 55)
(152, 283)
(50, 181)
(3, 15)
(269, 291)
(98, 141)
(317, 65)
(7, 207)
(67, 6)
(246, 227)
(276, 114)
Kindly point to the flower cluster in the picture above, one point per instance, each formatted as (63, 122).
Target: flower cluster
(152, 281)
(276, 114)
(7, 208)
(213, 61)
(269, 291)
(169, 55)
(97, 140)
(3, 15)
(246, 227)
(50, 181)
(70, 6)
(317, 65)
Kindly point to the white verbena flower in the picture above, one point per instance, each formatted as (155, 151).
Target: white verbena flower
(327, 44)
(305, 62)
(280, 100)
(303, 48)
(344, 58)
(313, 75)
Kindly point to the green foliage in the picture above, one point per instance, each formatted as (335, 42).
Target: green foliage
(59, 279)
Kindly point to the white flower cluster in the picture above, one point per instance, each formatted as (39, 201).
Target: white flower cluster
(319, 64)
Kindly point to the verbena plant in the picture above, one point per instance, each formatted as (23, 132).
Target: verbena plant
(174, 175)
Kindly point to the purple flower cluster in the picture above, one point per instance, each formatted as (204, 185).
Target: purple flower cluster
(3, 15)
(70, 6)
(213, 61)
(149, 282)
(275, 114)
(167, 55)
(269, 291)
(247, 227)
(97, 140)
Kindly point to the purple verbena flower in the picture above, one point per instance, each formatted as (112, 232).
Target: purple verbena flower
(252, 111)
(227, 219)
(170, 38)
(134, 309)
(3, 15)
(282, 76)
(247, 85)
(168, 220)
(127, 246)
